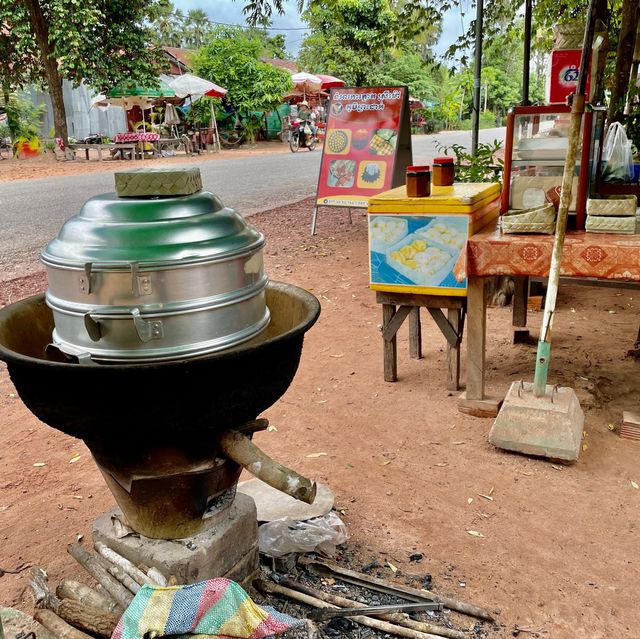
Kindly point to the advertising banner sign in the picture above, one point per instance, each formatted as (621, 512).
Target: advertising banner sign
(367, 145)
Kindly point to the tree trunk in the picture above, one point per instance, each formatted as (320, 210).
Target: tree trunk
(624, 58)
(52, 75)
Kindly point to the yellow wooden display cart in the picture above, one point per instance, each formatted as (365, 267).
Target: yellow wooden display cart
(417, 257)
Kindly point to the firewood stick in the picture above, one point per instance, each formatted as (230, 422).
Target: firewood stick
(157, 577)
(59, 628)
(383, 626)
(117, 559)
(68, 589)
(244, 452)
(116, 571)
(91, 564)
(400, 619)
(93, 620)
(39, 585)
(385, 586)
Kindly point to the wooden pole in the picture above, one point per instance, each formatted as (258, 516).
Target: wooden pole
(68, 589)
(91, 564)
(59, 628)
(94, 620)
(244, 452)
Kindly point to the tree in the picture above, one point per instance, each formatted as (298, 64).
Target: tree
(196, 28)
(349, 38)
(231, 58)
(103, 43)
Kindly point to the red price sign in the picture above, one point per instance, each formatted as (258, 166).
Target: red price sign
(367, 132)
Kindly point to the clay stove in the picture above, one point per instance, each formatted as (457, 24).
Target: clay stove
(170, 437)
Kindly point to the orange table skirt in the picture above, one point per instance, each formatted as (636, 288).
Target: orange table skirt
(599, 255)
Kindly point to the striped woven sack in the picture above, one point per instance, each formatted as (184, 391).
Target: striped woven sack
(217, 608)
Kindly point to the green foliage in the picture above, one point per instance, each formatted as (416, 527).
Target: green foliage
(350, 38)
(230, 58)
(481, 167)
(26, 117)
(103, 43)
(410, 70)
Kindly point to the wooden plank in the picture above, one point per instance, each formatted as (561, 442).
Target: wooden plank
(411, 299)
(445, 327)
(389, 347)
(453, 352)
(487, 407)
(389, 330)
(415, 334)
(520, 298)
(476, 337)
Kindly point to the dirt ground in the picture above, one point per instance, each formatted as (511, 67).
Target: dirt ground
(558, 551)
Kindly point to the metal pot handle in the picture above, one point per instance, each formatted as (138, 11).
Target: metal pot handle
(147, 330)
(93, 327)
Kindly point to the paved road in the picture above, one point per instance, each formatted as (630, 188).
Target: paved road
(32, 211)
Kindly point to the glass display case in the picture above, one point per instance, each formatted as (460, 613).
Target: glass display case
(535, 150)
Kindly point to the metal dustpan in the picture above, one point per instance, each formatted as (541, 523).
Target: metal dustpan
(541, 419)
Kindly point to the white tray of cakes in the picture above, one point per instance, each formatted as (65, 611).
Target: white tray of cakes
(422, 261)
(444, 233)
(385, 231)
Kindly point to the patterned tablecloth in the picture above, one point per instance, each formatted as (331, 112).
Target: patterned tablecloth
(121, 138)
(601, 255)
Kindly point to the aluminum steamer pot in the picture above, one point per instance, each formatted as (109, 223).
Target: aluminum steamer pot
(155, 277)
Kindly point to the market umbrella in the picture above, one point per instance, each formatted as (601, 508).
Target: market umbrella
(414, 103)
(193, 87)
(329, 81)
(306, 82)
(171, 118)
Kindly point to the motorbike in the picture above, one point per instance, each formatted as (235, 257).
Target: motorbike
(301, 136)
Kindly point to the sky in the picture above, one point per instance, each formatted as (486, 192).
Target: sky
(290, 25)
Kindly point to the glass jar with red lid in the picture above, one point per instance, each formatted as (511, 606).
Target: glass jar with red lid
(444, 171)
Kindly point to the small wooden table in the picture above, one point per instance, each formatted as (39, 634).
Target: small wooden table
(604, 259)
(130, 147)
(396, 307)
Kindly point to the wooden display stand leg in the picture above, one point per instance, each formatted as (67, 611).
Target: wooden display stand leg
(392, 320)
(455, 317)
(473, 401)
(415, 334)
(520, 303)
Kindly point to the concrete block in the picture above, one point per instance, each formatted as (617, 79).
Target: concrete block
(228, 546)
(549, 426)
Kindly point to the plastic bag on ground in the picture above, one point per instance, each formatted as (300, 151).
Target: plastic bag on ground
(617, 155)
(321, 534)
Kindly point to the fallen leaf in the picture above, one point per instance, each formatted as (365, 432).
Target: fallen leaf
(611, 427)
(75, 458)
(337, 356)
(393, 568)
(3, 508)
(441, 464)
(322, 401)
(488, 497)
(585, 446)
(78, 497)
(271, 429)
(79, 537)
(633, 483)
(456, 443)
(386, 462)
(475, 533)
(314, 455)
(39, 464)
(469, 500)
